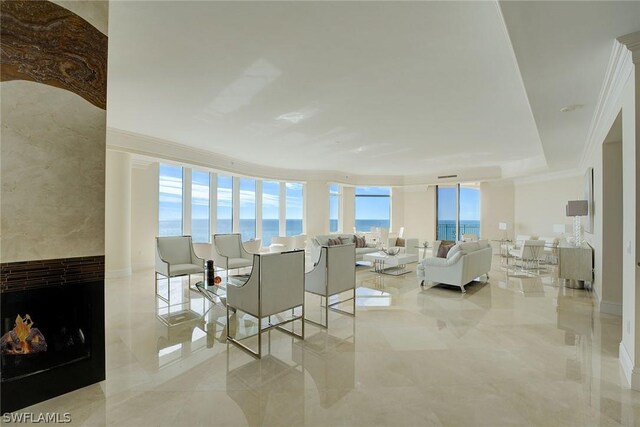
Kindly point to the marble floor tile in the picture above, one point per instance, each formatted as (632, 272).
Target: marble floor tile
(517, 350)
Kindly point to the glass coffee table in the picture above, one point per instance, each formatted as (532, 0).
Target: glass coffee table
(218, 293)
(393, 265)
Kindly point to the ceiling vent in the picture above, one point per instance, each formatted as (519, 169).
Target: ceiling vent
(447, 176)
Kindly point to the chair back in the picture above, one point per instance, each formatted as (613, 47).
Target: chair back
(469, 237)
(228, 245)
(401, 232)
(300, 241)
(175, 249)
(283, 240)
(252, 246)
(341, 268)
(532, 249)
(281, 281)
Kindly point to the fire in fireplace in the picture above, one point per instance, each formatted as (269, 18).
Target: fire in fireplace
(23, 338)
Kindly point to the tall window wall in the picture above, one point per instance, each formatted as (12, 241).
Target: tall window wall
(238, 204)
(373, 208)
(294, 213)
(270, 211)
(335, 200)
(224, 201)
(247, 208)
(458, 211)
(170, 200)
(200, 207)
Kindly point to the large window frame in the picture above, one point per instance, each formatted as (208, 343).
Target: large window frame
(442, 231)
(369, 193)
(226, 199)
(335, 208)
(167, 179)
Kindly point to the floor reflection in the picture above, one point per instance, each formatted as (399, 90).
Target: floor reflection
(516, 350)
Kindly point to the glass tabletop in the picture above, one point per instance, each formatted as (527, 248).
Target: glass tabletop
(219, 291)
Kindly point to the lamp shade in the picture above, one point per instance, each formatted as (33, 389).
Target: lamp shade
(577, 208)
(559, 228)
(503, 225)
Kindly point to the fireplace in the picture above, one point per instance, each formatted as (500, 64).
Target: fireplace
(51, 340)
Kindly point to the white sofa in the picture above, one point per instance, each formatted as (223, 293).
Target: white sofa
(410, 245)
(465, 261)
(323, 240)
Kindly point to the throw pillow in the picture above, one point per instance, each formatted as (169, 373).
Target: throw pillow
(443, 249)
(331, 241)
(360, 241)
(400, 242)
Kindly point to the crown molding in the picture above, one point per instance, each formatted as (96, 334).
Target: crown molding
(618, 73)
(551, 176)
(149, 149)
(632, 42)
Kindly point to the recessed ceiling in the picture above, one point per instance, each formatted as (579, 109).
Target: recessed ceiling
(375, 88)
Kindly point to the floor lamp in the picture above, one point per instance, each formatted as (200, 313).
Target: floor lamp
(577, 209)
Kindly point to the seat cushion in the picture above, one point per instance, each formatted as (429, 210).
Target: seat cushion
(239, 262)
(180, 269)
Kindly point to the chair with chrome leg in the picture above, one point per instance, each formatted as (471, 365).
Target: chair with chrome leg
(229, 252)
(275, 286)
(334, 273)
(175, 257)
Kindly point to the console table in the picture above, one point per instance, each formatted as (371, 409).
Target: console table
(575, 264)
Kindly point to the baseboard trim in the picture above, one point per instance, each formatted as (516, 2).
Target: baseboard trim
(113, 274)
(609, 307)
(631, 374)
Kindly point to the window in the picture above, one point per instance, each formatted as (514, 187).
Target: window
(293, 208)
(447, 207)
(270, 211)
(200, 206)
(170, 200)
(469, 219)
(224, 222)
(334, 208)
(458, 211)
(373, 207)
(247, 208)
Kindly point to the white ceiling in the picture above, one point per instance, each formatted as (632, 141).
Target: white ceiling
(363, 88)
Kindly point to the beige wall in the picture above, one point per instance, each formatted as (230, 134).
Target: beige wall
(496, 205)
(118, 214)
(144, 214)
(348, 209)
(420, 212)
(540, 204)
(317, 208)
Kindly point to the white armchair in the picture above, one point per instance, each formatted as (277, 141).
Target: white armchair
(469, 237)
(334, 273)
(276, 284)
(229, 252)
(175, 257)
(407, 246)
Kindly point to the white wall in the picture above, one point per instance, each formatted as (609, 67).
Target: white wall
(420, 212)
(540, 204)
(144, 215)
(317, 208)
(497, 205)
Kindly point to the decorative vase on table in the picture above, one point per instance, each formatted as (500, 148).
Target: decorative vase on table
(210, 273)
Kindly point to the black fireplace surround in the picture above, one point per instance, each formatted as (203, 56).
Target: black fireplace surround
(51, 329)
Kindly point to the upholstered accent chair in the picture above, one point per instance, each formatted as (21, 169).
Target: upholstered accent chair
(275, 286)
(229, 252)
(334, 273)
(175, 257)
(469, 237)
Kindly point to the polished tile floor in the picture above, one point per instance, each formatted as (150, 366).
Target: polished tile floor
(518, 350)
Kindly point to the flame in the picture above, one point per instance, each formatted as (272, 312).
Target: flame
(27, 339)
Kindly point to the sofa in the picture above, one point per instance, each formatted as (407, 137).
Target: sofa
(464, 262)
(407, 246)
(323, 240)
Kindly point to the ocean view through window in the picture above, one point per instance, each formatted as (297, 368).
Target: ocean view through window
(334, 208)
(458, 211)
(294, 208)
(170, 200)
(224, 203)
(247, 208)
(270, 211)
(373, 208)
(200, 206)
